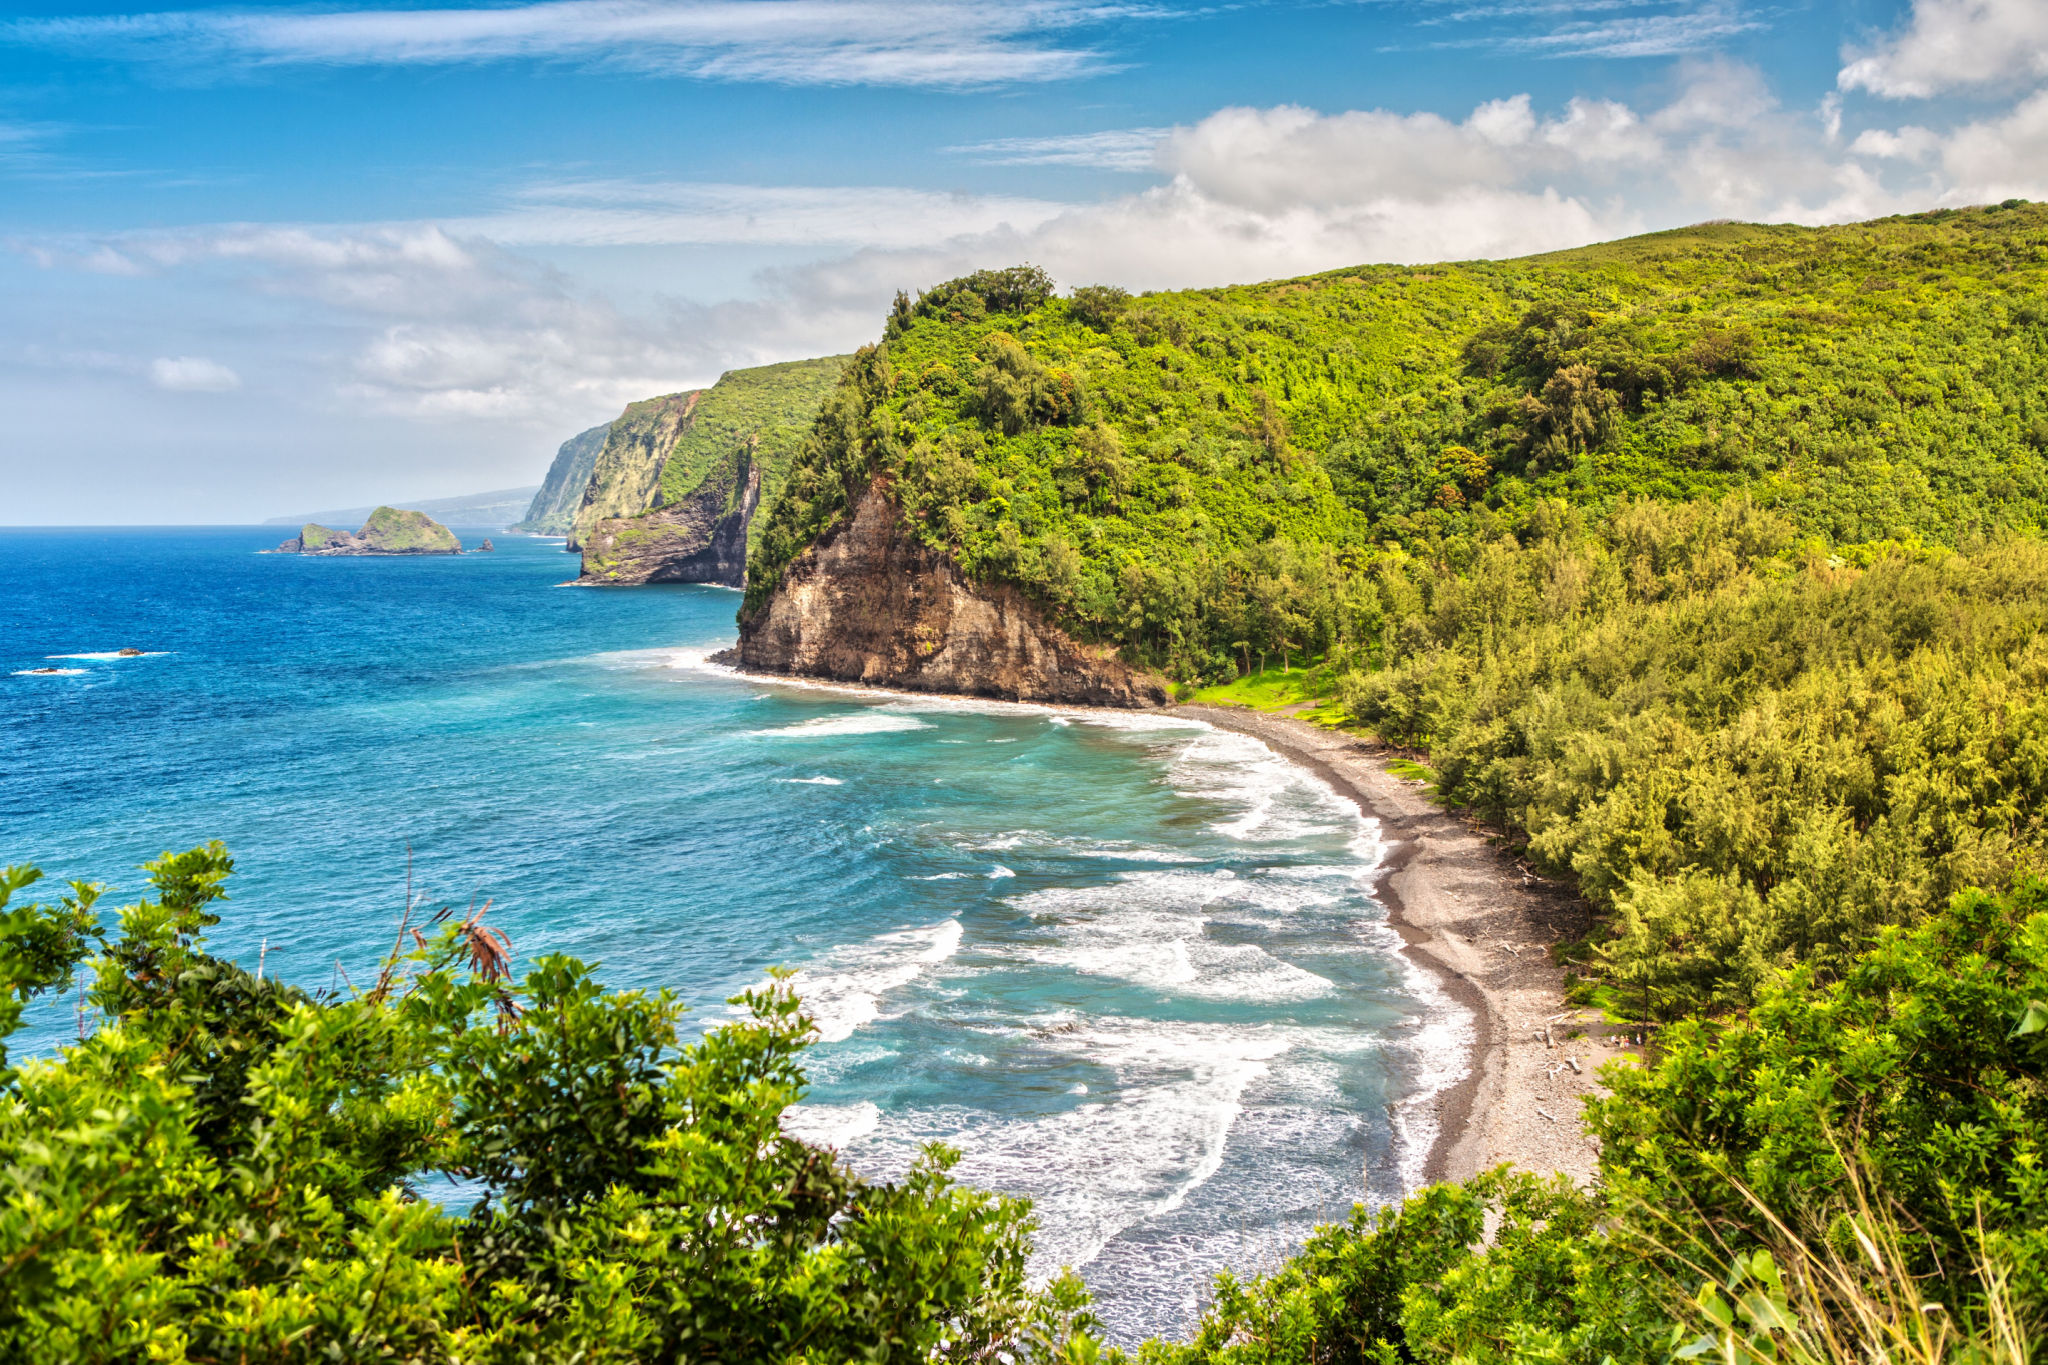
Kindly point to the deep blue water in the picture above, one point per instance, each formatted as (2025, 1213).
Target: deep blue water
(1129, 964)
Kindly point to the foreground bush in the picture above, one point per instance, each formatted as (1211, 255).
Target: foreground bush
(230, 1169)
(1852, 1174)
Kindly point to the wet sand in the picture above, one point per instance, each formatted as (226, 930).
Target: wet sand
(1469, 912)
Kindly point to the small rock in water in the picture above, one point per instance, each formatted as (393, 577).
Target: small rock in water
(485, 546)
(128, 654)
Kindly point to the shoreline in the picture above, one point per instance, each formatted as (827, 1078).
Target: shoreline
(1482, 925)
(1466, 913)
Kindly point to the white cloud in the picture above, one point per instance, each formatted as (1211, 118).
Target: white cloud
(660, 213)
(192, 374)
(1906, 144)
(449, 320)
(1121, 149)
(1647, 35)
(798, 42)
(1289, 157)
(1999, 158)
(1951, 45)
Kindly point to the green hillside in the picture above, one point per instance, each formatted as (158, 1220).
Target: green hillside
(1126, 458)
(768, 409)
(663, 450)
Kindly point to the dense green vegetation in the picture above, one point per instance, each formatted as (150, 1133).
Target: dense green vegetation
(1749, 752)
(1154, 468)
(227, 1168)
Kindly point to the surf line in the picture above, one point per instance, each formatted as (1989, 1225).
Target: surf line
(1453, 1146)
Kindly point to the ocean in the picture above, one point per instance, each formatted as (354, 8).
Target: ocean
(1130, 965)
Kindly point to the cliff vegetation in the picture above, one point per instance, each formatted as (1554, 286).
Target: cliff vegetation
(698, 444)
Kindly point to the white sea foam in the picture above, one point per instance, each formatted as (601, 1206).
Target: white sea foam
(1119, 1156)
(698, 660)
(1079, 846)
(941, 877)
(1276, 799)
(858, 723)
(844, 989)
(112, 654)
(998, 872)
(49, 672)
(1151, 929)
(831, 1125)
(812, 781)
(1437, 1042)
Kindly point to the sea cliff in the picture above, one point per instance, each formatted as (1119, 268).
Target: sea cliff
(700, 539)
(868, 603)
(672, 495)
(554, 506)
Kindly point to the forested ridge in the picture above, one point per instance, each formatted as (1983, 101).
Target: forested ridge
(1126, 459)
(1706, 567)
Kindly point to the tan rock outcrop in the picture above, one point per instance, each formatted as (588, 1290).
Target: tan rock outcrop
(869, 603)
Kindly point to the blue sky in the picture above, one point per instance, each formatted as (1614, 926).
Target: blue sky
(262, 259)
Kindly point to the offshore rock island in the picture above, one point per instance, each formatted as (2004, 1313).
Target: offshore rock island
(389, 531)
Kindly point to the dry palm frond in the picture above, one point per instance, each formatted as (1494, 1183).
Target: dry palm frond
(490, 952)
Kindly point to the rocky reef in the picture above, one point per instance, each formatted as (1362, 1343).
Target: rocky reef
(869, 603)
(389, 531)
(701, 538)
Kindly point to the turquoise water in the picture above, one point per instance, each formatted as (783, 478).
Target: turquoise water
(1129, 964)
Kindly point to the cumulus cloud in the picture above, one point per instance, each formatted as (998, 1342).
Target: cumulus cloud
(192, 374)
(1952, 45)
(797, 42)
(456, 320)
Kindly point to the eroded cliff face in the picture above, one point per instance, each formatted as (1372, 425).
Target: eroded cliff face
(700, 539)
(626, 475)
(869, 603)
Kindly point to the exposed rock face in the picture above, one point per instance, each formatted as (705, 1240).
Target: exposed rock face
(868, 603)
(702, 538)
(389, 531)
(553, 510)
(627, 472)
